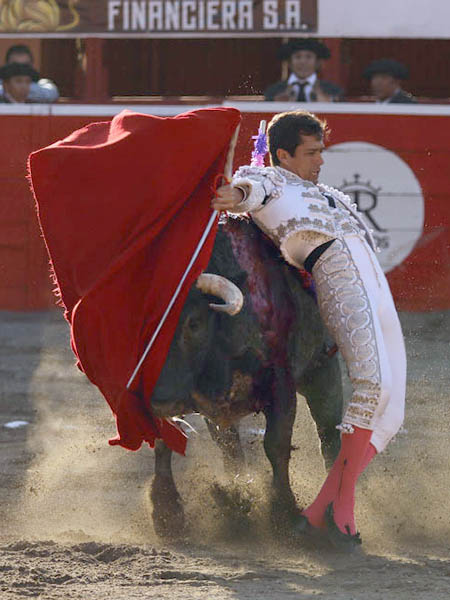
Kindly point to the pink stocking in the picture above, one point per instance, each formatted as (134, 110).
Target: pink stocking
(339, 487)
(370, 455)
(316, 511)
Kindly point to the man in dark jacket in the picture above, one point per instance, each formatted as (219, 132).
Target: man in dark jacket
(305, 58)
(385, 76)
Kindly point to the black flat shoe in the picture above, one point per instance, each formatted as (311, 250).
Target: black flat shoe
(344, 542)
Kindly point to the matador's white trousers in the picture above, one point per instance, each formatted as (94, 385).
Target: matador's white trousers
(356, 305)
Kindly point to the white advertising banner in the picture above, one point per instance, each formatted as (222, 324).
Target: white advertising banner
(385, 190)
(225, 18)
(157, 18)
(384, 18)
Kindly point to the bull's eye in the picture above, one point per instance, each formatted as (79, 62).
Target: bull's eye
(194, 325)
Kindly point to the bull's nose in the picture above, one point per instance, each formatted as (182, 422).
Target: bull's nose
(170, 407)
(171, 395)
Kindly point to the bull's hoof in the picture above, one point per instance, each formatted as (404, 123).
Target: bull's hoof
(344, 542)
(303, 533)
(304, 527)
(169, 527)
(168, 514)
(289, 524)
(234, 504)
(298, 527)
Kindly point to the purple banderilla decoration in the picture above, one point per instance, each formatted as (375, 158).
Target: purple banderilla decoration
(260, 147)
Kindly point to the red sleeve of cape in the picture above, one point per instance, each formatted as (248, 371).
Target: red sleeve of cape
(122, 206)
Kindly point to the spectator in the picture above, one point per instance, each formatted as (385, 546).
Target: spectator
(385, 76)
(17, 79)
(303, 84)
(44, 90)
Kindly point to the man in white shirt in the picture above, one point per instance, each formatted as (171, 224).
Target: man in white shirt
(305, 58)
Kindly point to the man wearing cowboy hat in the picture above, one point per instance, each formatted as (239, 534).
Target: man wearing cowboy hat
(305, 57)
(385, 76)
(41, 91)
(17, 79)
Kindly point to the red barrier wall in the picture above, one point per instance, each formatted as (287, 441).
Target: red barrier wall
(420, 282)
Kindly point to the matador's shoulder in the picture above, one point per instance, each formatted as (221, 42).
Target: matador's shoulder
(335, 193)
(260, 173)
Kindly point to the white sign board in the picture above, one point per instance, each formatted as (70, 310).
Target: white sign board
(384, 18)
(386, 191)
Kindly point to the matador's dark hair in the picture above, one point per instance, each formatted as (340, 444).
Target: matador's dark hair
(285, 131)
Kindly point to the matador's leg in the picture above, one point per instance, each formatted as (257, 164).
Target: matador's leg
(356, 305)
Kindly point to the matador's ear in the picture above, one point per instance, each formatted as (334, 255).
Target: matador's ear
(282, 155)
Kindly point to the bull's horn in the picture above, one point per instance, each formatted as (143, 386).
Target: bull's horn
(216, 285)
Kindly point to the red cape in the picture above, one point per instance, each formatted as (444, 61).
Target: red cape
(122, 206)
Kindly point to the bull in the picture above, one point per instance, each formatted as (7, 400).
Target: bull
(226, 362)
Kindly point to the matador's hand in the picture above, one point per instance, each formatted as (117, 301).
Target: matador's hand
(227, 198)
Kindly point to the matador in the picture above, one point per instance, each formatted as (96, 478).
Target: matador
(317, 228)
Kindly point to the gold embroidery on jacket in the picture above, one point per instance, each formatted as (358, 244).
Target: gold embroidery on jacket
(345, 309)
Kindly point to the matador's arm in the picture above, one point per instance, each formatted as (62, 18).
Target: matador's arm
(258, 185)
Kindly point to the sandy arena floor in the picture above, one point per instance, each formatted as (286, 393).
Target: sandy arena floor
(74, 513)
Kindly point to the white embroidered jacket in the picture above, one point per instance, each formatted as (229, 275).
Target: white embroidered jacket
(281, 203)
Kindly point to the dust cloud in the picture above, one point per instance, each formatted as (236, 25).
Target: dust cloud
(79, 486)
(71, 502)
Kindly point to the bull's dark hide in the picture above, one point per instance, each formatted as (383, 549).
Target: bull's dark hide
(226, 367)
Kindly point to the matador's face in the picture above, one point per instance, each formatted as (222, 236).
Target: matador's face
(307, 159)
